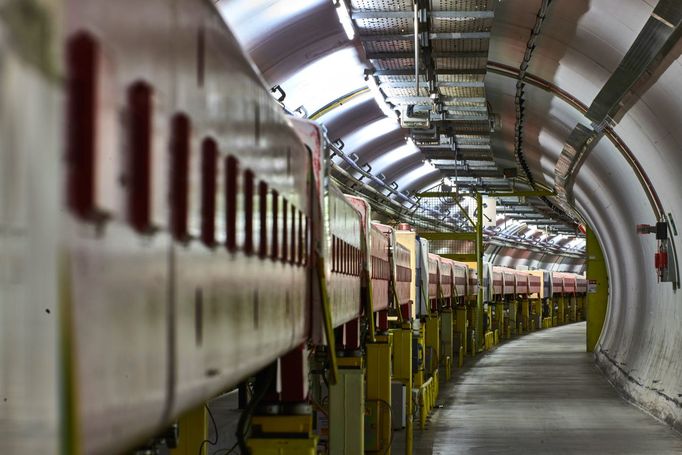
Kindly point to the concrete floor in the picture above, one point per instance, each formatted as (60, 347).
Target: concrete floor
(540, 393)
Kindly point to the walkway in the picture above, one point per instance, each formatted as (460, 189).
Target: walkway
(540, 394)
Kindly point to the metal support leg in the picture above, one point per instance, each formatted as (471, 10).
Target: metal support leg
(378, 425)
(561, 317)
(446, 342)
(347, 409)
(461, 325)
(402, 372)
(291, 430)
(479, 267)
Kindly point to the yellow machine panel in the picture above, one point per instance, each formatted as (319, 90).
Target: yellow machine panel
(408, 239)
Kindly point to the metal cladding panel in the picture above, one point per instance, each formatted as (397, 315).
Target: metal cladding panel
(569, 283)
(547, 285)
(379, 268)
(521, 282)
(362, 206)
(146, 349)
(581, 285)
(509, 279)
(345, 224)
(408, 240)
(473, 283)
(30, 199)
(535, 283)
(267, 283)
(445, 270)
(434, 278)
(557, 283)
(422, 291)
(460, 277)
(497, 282)
(403, 265)
(145, 345)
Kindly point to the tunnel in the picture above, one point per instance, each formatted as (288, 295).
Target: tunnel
(501, 136)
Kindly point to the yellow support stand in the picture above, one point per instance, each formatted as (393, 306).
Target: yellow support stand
(347, 408)
(461, 326)
(378, 425)
(418, 376)
(525, 315)
(304, 443)
(489, 340)
(473, 343)
(513, 323)
(499, 318)
(446, 341)
(537, 310)
(432, 338)
(402, 371)
(561, 316)
(192, 432)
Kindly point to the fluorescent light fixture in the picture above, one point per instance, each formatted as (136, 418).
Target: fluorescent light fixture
(344, 18)
(388, 159)
(324, 80)
(379, 97)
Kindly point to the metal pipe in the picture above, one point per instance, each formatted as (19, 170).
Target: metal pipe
(416, 45)
(479, 266)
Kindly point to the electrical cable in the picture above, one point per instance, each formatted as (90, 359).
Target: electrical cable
(215, 426)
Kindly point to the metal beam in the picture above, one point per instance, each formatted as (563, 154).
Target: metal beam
(393, 55)
(471, 236)
(410, 84)
(461, 156)
(445, 99)
(410, 71)
(463, 257)
(475, 173)
(479, 267)
(358, 14)
(433, 36)
(519, 193)
(463, 35)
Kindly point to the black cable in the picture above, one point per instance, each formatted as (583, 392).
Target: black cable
(251, 407)
(215, 427)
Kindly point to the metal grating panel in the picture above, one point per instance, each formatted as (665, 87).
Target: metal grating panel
(461, 5)
(460, 63)
(384, 26)
(392, 92)
(389, 46)
(461, 45)
(400, 79)
(460, 24)
(394, 64)
(454, 60)
(459, 77)
(463, 92)
(382, 5)
(452, 246)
